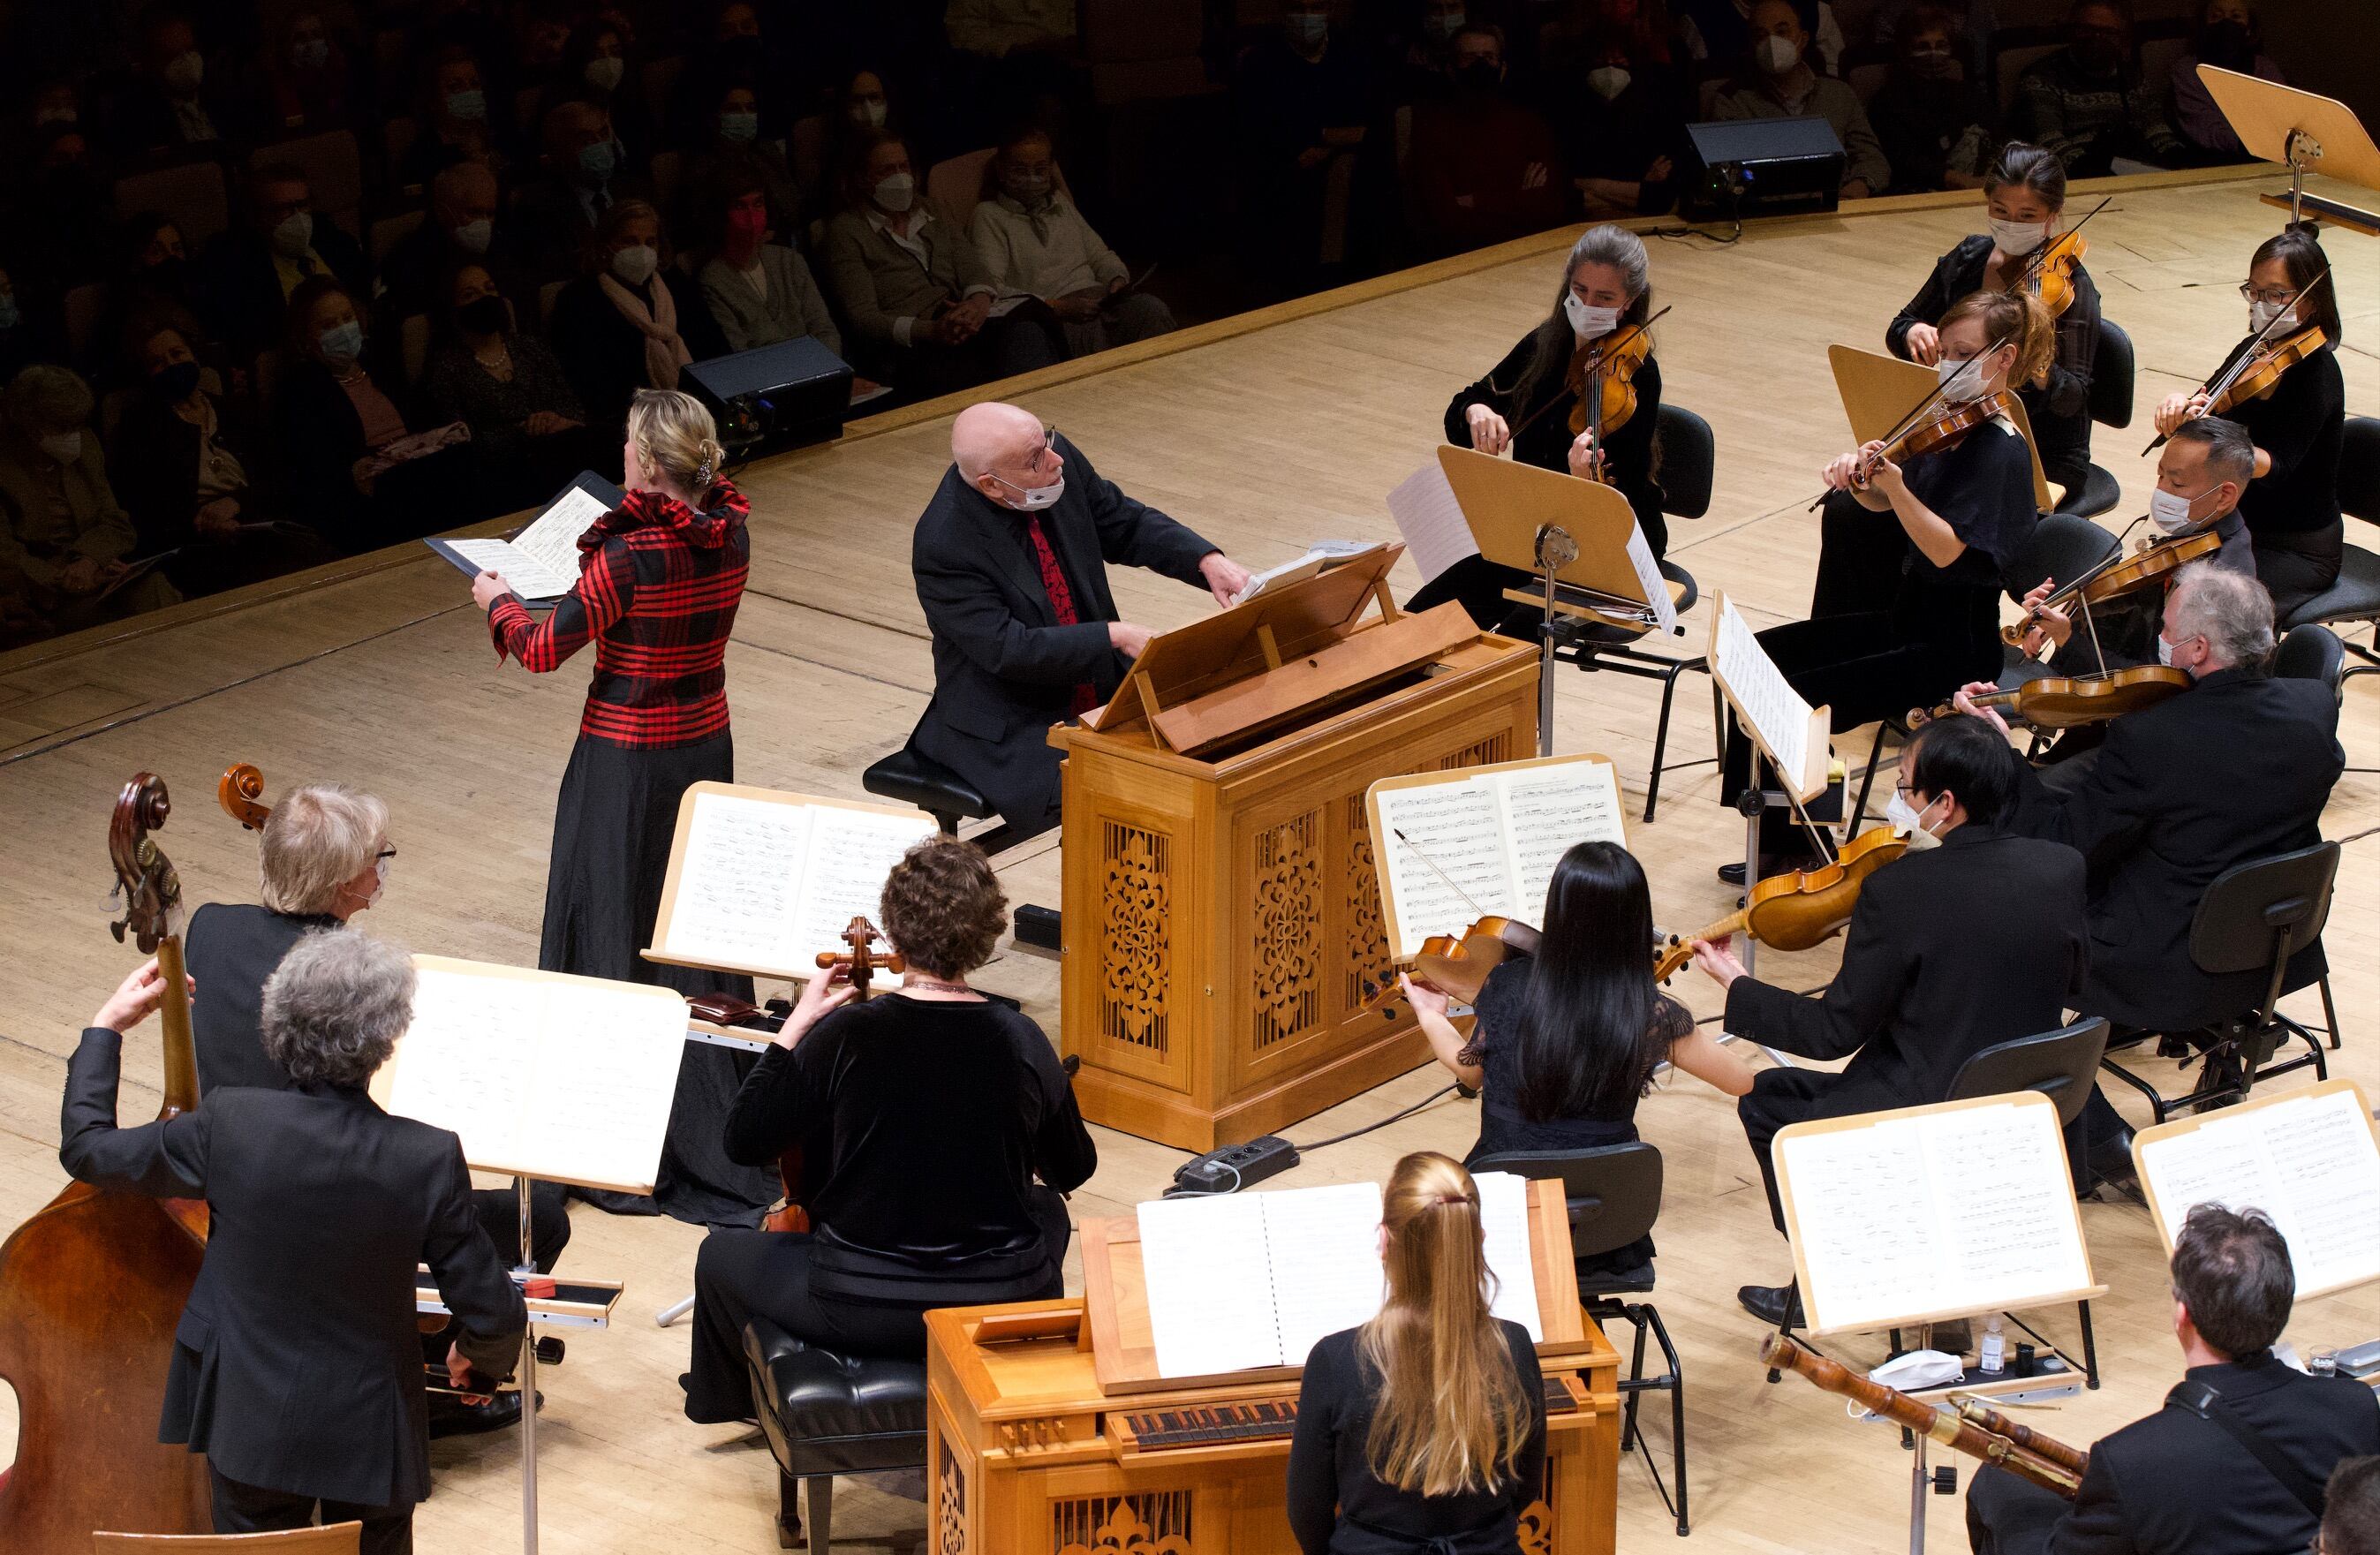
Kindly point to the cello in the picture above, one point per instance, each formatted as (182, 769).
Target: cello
(860, 966)
(93, 1286)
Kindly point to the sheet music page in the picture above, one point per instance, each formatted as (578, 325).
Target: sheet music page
(1504, 1220)
(469, 1059)
(606, 1075)
(738, 884)
(1776, 709)
(1436, 534)
(553, 540)
(1458, 828)
(1648, 577)
(1546, 811)
(1210, 1279)
(1870, 1232)
(532, 577)
(2005, 1195)
(2310, 1165)
(842, 877)
(1325, 1250)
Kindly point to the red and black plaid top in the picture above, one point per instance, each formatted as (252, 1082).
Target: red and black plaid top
(658, 586)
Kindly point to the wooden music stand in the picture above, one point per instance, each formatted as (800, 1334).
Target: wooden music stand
(2306, 134)
(1878, 391)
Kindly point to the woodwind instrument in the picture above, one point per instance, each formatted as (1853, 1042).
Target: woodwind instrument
(2076, 1459)
(1942, 1424)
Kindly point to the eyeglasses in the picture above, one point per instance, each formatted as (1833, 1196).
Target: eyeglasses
(380, 863)
(2249, 293)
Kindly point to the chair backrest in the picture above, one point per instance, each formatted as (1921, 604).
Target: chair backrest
(665, 171)
(83, 307)
(389, 231)
(1689, 455)
(2059, 1064)
(413, 346)
(545, 296)
(2008, 59)
(806, 151)
(192, 193)
(1869, 78)
(396, 137)
(955, 184)
(2111, 376)
(2242, 916)
(334, 172)
(2359, 468)
(1116, 30)
(660, 82)
(334, 1538)
(2063, 546)
(2311, 653)
(1614, 1190)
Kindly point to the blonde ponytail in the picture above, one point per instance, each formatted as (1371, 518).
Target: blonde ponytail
(2013, 318)
(676, 439)
(1451, 1417)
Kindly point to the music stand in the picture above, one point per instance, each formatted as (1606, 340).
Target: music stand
(2304, 133)
(1770, 714)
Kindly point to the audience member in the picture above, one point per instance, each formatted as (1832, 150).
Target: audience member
(913, 287)
(529, 431)
(2088, 101)
(16, 344)
(1035, 243)
(1423, 69)
(2350, 1518)
(1302, 101)
(1619, 104)
(1715, 31)
(166, 109)
(996, 29)
(533, 69)
(2228, 37)
(631, 319)
(862, 106)
(597, 66)
(62, 532)
(731, 49)
(726, 142)
(252, 272)
(1779, 84)
(304, 84)
(466, 225)
(1481, 168)
(760, 292)
(55, 100)
(581, 179)
(1932, 120)
(150, 277)
(72, 209)
(453, 116)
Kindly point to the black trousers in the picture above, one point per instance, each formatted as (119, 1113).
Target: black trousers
(2296, 565)
(739, 1275)
(1779, 1098)
(249, 1509)
(2010, 1516)
(1859, 558)
(499, 1212)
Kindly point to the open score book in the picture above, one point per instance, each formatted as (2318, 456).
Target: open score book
(1237, 1280)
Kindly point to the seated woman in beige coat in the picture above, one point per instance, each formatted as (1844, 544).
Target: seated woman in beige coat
(65, 539)
(1035, 243)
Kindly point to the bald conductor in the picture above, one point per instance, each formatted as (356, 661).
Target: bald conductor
(1010, 562)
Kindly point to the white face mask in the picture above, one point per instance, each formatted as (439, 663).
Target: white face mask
(2166, 650)
(1609, 81)
(64, 448)
(473, 236)
(635, 265)
(605, 74)
(2017, 239)
(294, 233)
(2261, 313)
(868, 112)
(896, 193)
(1900, 814)
(1587, 321)
(184, 72)
(2170, 511)
(1972, 383)
(1033, 499)
(1776, 55)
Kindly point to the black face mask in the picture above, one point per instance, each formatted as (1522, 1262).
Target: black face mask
(1479, 78)
(168, 275)
(2098, 57)
(484, 315)
(175, 382)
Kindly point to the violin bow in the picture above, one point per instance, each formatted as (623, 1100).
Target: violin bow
(1900, 428)
(1398, 833)
(2231, 372)
(1621, 338)
(2040, 256)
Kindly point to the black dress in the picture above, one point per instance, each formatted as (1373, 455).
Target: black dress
(2292, 509)
(922, 1124)
(1338, 1506)
(1541, 436)
(2060, 409)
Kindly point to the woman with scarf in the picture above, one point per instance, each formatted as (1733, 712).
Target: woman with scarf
(632, 319)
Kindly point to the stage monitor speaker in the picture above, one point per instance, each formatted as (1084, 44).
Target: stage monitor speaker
(773, 396)
(1740, 168)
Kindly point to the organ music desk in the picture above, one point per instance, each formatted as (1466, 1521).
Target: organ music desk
(1223, 925)
(1063, 1441)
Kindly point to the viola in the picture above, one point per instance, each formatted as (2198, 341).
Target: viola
(2053, 279)
(1458, 964)
(2072, 701)
(860, 966)
(92, 1285)
(1602, 381)
(2258, 373)
(2156, 560)
(1795, 911)
(241, 791)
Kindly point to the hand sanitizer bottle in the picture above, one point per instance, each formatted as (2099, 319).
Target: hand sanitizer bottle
(1991, 1356)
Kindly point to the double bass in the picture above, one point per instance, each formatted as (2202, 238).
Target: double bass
(93, 1286)
(859, 964)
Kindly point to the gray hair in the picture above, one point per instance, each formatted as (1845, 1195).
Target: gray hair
(1614, 245)
(45, 399)
(2230, 610)
(2231, 451)
(336, 1005)
(319, 838)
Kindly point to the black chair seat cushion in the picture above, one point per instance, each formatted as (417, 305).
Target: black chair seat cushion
(926, 783)
(1595, 1279)
(829, 1414)
(2097, 494)
(2355, 597)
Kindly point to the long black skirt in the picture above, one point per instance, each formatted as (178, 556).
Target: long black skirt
(611, 828)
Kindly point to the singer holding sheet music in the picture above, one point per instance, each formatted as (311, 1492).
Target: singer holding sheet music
(660, 578)
(1530, 403)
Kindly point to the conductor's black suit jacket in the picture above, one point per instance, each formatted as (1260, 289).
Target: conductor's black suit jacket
(2238, 768)
(1950, 949)
(1004, 670)
(298, 1365)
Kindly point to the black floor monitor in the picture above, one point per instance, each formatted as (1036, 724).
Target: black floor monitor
(773, 396)
(1760, 167)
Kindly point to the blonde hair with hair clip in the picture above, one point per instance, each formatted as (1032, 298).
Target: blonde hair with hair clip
(2012, 319)
(676, 439)
(1452, 1415)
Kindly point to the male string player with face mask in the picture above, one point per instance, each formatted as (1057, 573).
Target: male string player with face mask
(1011, 564)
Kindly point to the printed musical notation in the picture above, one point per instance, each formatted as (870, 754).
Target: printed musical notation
(2307, 1160)
(1484, 841)
(1752, 680)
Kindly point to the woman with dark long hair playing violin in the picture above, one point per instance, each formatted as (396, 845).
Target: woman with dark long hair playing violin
(1533, 404)
(2026, 205)
(2294, 404)
(1961, 510)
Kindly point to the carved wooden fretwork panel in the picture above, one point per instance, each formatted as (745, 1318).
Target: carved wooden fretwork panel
(1537, 1529)
(1495, 747)
(1286, 918)
(1368, 962)
(1154, 1522)
(1136, 939)
(950, 1506)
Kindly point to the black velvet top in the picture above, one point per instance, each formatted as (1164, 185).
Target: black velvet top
(1982, 488)
(1546, 437)
(1496, 1045)
(2301, 424)
(922, 1123)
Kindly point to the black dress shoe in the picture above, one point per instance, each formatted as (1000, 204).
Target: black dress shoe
(1770, 864)
(1779, 1306)
(450, 1417)
(2110, 1160)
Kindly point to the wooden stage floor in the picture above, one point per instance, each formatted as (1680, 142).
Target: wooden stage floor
(1263, 435)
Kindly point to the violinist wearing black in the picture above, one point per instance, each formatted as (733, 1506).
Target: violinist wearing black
(2025, 195)
(1960, 513)
(2291, 506)
(1531, 404)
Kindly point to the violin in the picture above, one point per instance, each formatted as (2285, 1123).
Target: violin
(241, 791)
(2255, 371)
(2157, 560)
(1458, 964)
(860, 966)
(1933, 421)
(1603, 377)
(1793, 912)
(2053, 270)
(2072, 701)
(92, 1285)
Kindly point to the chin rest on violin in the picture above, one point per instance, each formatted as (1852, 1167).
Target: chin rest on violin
(2071, 701)
(1793, 912)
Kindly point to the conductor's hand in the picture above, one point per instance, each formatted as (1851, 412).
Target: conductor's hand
(1586, 460)
(830, 990)
(1925, 343)
(1128, 639)
(1964, 701)
(1716, 960)
(1490, 433)
(1423, 1000)
(487, 587)
(458, 1374)
(1225, 577)
(2174, 410)
(135, 999)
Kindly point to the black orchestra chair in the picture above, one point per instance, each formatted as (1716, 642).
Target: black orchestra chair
(2253, 917)
(825, 1415)
(1614, 1194)
(2111, 406)
(2355, 598)
(2311, 652)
